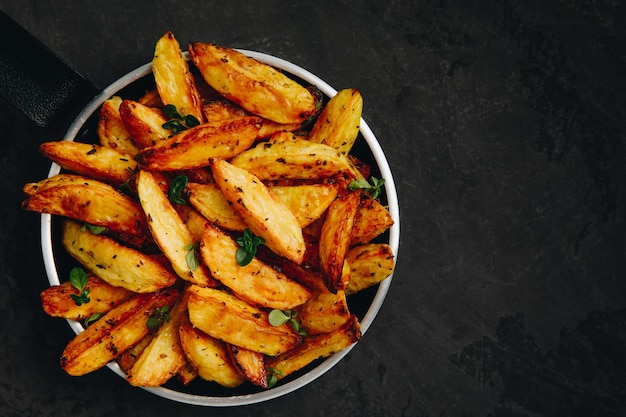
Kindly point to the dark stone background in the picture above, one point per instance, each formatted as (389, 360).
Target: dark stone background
(504, 125)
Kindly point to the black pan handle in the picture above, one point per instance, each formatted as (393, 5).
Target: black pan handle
(37, 82)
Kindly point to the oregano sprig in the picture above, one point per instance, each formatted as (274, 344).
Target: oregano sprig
(248, 244)
(278, 317)
(192, 257)
(272, 376)
(158, 317)
(176, 190)
(176, 121)
(79, 280)
(372, 188)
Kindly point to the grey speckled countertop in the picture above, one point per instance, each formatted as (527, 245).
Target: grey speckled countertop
(504, 123)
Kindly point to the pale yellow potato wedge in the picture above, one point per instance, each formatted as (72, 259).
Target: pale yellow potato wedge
(339, 122)
(209, 200)
(56, 300)
(174, 81)
(163, 358)
(250, 364)
(307, 202)
(369, 264)
(227, 318)
(169, 231)
(118, 330)
(127, 359)
(89, 201)
(93, 161)
(335, 239)
(257, 283)
(256, 87)
(143, 123)
(61, 180)
(286, 156)
(264, 214)
(194, 221)
(208, 356)
(114, 263)
(192, 148)
(371, 220)
(111, 130)
(315, 347)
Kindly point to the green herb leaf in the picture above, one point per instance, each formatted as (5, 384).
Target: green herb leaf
(372, 189)
(192, 257)
(158, 317)
(92, 319)
(278, 317)
(96, 230)
(176, 190)
(78, 279)
(272, 376)
(248, 244)
(177, 122)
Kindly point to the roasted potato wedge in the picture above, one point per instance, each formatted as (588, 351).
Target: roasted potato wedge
(371, 220)
(250, 364)
(209, 200)
(261, 210)
(163, 357)
(192, 148)
(127, 359)
(118, 330)
(56, 300)
(257, 283)
(92, 161)
(256, 87)
(324, 312)
(111, 130)
(307, 202)
(194, 221)
(339, 122)
(315, 347)
(143, 123)
(227, 318)
(89, 201)
(287, 157)
(114, 263)
(335, 239)
(169, 231)
(208, 356)
(187, 373)
(174, 81)
(369, 264)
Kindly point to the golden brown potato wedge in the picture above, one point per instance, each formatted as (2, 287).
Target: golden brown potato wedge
(92, 161)
(335, 239)
(169, 231)
(56, 300)
(324, 312)
(118, 330)
(114, 263)
(111, 130)
(143, 123)
(151, 98)
(227, 318)
(369, 264)
(338, 123)
(287, 157)
(257, 283)
(174, 81)
(89, 201)
(256, 87)
(264, 214)
(194, 221)
(127, 359)
(250, 364)
(209, 200)
(192, 148)
(187, 373)
(163, 358)
(315, 347)
(208, 356)
(307, 202)
(371, 220)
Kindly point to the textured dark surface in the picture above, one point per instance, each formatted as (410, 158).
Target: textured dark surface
(504, 124)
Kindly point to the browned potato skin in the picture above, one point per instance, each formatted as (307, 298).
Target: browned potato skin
(307, 202)
(192, 148)
(143, 123)
(111, 130)
(227, 318)
(324, 312)
(257, 283)
(115, 332)
(209, 200)
(250, 364)
(93, 161)
(90, 201)
(369, 264)
(56, 300)
(174, 81)
(335, 239)
(256, 87)
(371, 220)
(208, 356)
(261, 210)
(338, 123)
(315, 347)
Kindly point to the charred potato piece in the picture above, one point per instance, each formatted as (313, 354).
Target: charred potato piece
(250, 364)
(369, 264)
(371, 220)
